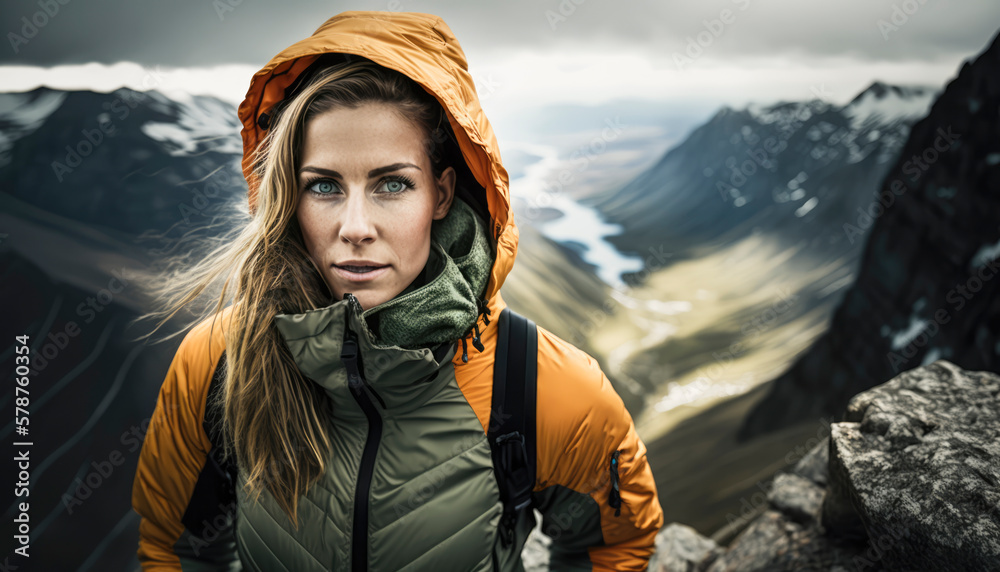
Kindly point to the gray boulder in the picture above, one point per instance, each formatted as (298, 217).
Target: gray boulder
(918, 459)
(797, 497)
(909, 480)
(680, 548)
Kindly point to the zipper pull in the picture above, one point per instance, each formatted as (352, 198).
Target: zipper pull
(475, 339)
(353, 301)
(349, 351)
(615, 497)
(349, 355)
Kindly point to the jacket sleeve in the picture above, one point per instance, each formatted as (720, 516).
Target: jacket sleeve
(174, 486)
(581, 423)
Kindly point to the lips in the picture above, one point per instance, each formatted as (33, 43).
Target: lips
(358, 269)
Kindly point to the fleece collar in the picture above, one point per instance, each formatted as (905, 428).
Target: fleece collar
(409, 337)
(444, 308)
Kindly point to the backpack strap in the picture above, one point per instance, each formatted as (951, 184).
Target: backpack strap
(511, 431)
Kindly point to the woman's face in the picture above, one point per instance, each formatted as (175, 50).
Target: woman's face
(367, 197)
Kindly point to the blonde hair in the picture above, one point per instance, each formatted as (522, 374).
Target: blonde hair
(274, 419)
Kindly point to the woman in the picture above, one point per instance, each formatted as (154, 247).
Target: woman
(351, 378)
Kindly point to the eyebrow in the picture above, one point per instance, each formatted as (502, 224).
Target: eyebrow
(372, 173)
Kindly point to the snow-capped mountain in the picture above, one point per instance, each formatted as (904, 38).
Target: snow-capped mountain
(926, 288)
(799, 170)
(126, 161)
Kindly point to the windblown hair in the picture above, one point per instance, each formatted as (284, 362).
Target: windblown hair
(274, 419)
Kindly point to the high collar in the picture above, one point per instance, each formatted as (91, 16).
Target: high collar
(448, 304)
(417, 330)
(403, 379)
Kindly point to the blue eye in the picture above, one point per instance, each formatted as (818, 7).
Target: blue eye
(397, 184)
(322, 187)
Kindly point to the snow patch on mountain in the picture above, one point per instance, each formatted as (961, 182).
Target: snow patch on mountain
(787, 115)
(890, 103)
(199, 120)
(23, 113)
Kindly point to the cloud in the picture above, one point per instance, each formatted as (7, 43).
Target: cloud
(514, 81)
(204, 33)
(530, 53)
(226, 82)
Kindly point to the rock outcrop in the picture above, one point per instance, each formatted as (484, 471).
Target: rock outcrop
(909, 480)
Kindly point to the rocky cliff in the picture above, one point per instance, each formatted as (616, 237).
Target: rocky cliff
(927, 285)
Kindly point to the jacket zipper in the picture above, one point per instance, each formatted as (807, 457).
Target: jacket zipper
(359, 536)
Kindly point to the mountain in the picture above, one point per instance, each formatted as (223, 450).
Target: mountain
(797, 170)
(927, 286)
(126, 162)
(88, 180)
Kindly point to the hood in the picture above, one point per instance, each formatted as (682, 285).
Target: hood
(422, 47)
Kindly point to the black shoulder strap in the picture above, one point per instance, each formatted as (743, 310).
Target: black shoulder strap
(511, 431)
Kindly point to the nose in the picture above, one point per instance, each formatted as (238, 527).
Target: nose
(358, 226)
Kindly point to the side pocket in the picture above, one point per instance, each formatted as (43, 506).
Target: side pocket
(615, 497)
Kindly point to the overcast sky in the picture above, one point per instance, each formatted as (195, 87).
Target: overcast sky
(525, 52)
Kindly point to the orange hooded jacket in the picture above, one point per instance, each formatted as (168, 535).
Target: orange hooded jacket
(581, 419)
